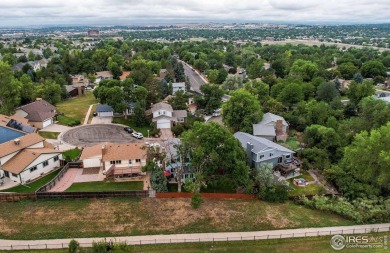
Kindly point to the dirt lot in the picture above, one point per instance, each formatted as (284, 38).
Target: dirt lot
(89, 218)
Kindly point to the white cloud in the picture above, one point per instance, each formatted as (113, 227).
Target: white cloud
(35, 12)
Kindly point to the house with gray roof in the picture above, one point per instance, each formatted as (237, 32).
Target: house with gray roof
(261, 150)
(178, 86)
(272, 127)
(39, 114)
(104, 111)
(164, 116)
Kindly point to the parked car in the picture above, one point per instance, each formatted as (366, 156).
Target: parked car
(129, 130)
(137, 135)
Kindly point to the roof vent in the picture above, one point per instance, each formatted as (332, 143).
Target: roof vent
(17, 141)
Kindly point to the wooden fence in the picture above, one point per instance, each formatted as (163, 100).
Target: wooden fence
(53, 182)
(91, 195)
(164, 195)
(12, 197)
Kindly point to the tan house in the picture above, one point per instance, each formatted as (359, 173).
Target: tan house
(27, 157)
(120, 160)
(39, 114)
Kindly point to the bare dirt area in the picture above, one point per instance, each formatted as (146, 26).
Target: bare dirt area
(115, 217)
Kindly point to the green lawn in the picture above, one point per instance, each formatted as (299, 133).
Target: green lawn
(296, 245)
(308, 189)
(75, 109)
(49, 135)
(106, 186)
(32, 187)
(291, 143)
(71, 154)
(129, 122)
(66, 121)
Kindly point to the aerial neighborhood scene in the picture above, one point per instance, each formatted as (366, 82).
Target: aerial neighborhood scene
(194, 126)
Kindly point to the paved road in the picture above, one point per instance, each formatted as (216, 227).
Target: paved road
(201, 237)
(195, 79)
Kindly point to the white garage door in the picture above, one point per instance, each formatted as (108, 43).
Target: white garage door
(47, 123)
(105, 114)
(91, 163)
(163, 124)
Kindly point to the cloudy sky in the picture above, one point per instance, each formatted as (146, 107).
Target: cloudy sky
(127, 12)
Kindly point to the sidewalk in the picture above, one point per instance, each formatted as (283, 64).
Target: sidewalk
(201, 237)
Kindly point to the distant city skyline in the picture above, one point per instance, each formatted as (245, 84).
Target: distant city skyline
(128, 12)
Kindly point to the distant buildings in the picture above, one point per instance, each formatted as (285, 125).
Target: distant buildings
(93, 32)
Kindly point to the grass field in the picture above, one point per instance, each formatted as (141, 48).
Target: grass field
(71, 154)
(32, 187)
(296, 245)
(49, 135)
(106, 186)
(129, 122)
(308, 189)
(124, 216)
(75, 108)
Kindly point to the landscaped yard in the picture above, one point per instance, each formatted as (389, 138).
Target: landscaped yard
(49, 135)
(32, 187)
(129, 216)
(71, 154)
(308, 189)
(75, 109)
(291, 143)
(129, 122)
(106, 186)
(296, 245)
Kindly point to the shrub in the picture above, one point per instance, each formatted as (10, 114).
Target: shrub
(99, 247)
(278, 192)
(74, 246)
(196, 200)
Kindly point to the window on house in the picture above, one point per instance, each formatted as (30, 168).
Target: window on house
(33, 168)
(130, 162)
(164, 112)
(112, 162)
(287, 156)
(261, 156)
(45, 163)
(14, 175)
(137, 160)
(159, 113)
(56, 158)
(270, 154)
(118, 162)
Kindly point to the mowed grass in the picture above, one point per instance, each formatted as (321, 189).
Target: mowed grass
(76, 108)
(72, 154)
(308, 189)
(130, 123)
(32, 187)
(106, 186)
(298, 245)
(49, 135)
(126, 216)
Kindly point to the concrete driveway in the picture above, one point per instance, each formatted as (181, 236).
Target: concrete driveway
(101, 120)
(56, 128)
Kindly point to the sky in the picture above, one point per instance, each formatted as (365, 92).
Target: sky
(128, 12)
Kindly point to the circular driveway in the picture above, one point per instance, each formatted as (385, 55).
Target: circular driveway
(89, 135)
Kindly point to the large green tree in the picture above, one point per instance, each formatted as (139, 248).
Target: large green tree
(304, 69)
(373, 68)
(357, 91)
(214, 150)
(242, 111)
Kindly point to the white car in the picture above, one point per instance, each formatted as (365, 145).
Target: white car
(137, 135)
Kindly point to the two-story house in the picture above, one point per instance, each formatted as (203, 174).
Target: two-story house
(164, 116)
(26, 157)
(261, 150)
(272, 127)
(120, 160)
(178, 86)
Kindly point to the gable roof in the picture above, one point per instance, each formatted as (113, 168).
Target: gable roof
(179, 114)
(24, 158)
(25, 141)
(104, 74)
(259, 143)
(161, 106)
(89, 152)
(39, 110)
(270, 117)
(263, 130)
(104, 108)
(177, 85)
(126, 151)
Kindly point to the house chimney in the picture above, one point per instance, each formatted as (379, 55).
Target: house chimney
(17, 141)
(249, 148)
(103, 149)
(279, 127)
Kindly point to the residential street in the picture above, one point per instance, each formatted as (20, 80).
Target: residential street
(200, 237)
(195, 79)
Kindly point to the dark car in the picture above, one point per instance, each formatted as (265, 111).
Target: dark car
(129, 130)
